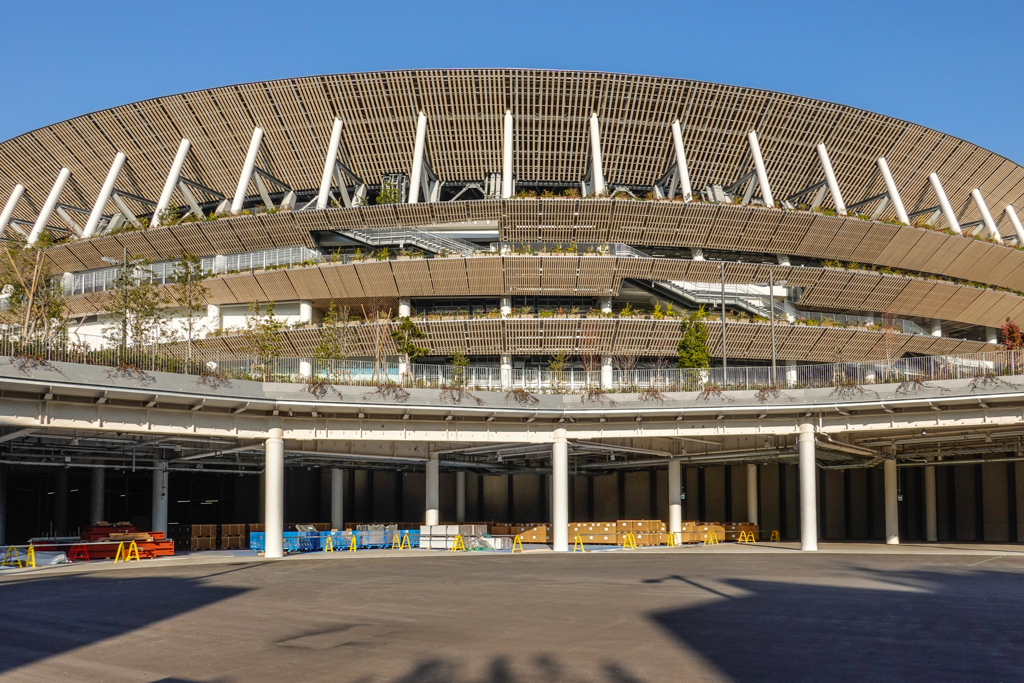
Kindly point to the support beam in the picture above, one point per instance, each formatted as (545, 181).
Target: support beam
(808, 489)
(460, 497)
(60, 502)
(830, 179)
(337, 498)
(1011, 213)
(931, 527)
(936, 327)
(752, 493)
(597, 163)
(97, 496)
(416, 173)
(681, 168)
(506, 371)
(892, 510)
(432, 516)
(986, 217)
(330, 162)
(48, 206)
(675, 503)
(506, 157)
(159, 519)
(273, 523)
(104, 196)
(607, 370)
(247, 169)
(759, 168)
(560, 492)
(171, 183)
(947, 209)
(10, 206)
(894, 194)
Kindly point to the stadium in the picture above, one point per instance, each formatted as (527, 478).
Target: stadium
(442, 296)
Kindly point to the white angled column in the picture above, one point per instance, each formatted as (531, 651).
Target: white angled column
(330, 160)
(104, 196)
(894, 194)
(947, 209)
(752, 493)
(97, 495)
(986, 217)
(460, 497)
(432, 516)
(10, 206)
(597, 163)
(337, 498)
(760, 170)
(1011, 213)
(931, 527)
(247, 168)
(560, 492)
(48, 206)
(273, 523)
(684, 172)
(160, 475)
(675, 503)
(172, 182)
(892, 510)
(830, 179)
(808, 489)
(416, 173)
(506, 157)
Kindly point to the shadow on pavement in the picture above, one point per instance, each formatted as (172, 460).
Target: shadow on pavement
(930, 626)
(543, 669)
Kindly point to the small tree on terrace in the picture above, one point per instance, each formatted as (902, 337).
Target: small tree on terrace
(388, 194)
(190, 293)
(693, 344)
(406, 334)
(134, 309)
(1011, 336)
(36, 298)
(262, 334)
(335, 335)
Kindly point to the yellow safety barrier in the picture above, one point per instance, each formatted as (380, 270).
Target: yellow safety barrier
(30, 557)
(458, 545)
(775, 536)
(353, 545)
(517, 542)
(629, 542)
(329, 545)
(675, 539)
(710, 538)
(12, 558)
(746, 537)
(396, 542)
(578, 543)
(406, 543)
(127, 555)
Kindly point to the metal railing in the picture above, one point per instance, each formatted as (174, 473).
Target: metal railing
(425, 240)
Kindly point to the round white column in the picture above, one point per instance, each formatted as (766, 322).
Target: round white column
(808, 489)
(992, 335)
(97, 495)
(560, 492)
(273, 523)
(752, 493)
(931, 527)
(892, 513)
(675, 503)
(213, 318)
(405, 307)
(160, 475)
(432, 516)
(506, 371)
(936, 327)
(506, 306)
(305, 311)
(460, 497)
(337, 498)
(305, 367)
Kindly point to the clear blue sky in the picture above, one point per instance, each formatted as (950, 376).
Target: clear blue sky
(953, 66)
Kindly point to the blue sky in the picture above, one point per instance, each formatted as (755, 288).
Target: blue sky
(953, 66)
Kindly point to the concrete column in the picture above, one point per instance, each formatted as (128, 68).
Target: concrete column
(305, 367)
(506, 306)
(159, 517)
(607, 370)
(560, 492)
(433, 498)
(892, 511)
(337, 498)
(506, 371)
(460, 497)
(791, 373)
(3, 504)
(273, 470)
(213, 318)
(305, 311)
(97, 495)
(60, 502)
(752, 494)
(931, 527)
(405, 307)
(992, 335)
(936, 327)
(808, 489)
(675, 503)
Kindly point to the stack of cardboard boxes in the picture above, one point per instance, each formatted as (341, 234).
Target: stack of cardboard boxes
(204, 537)
(232, 536)
(734, 531)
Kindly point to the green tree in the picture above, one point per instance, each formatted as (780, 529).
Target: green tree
(35, 296)
(262, 332)
(189, 293)
(406, 334)
(388, 193)
(693, 342)
(335, 334)
(133, 307)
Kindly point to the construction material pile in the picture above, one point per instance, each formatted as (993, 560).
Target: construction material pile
(646, 532)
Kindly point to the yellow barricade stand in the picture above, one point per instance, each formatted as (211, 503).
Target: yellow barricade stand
(353, 545)
(710, 538)
(674, 540)
(132, 553)
(578, 543)
(396, 542)
(458, 545)
(517, 542)
(329, 545)
(12, 558)
(30, 557)
(747, 537)
(775, 536)
(629, 542)
(406, 543)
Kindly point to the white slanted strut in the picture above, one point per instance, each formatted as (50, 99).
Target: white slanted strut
(48, 206)
(1011, 213)
(681, 168)
(9, 207)
(894, 195)
(171, 182)
(506, 158)
(101, 200)
(830, 179)
(597, 164)
(759, 168)
(329, 164)
(416, 174)
(986, 217)
(947, 209)
(247, 169)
